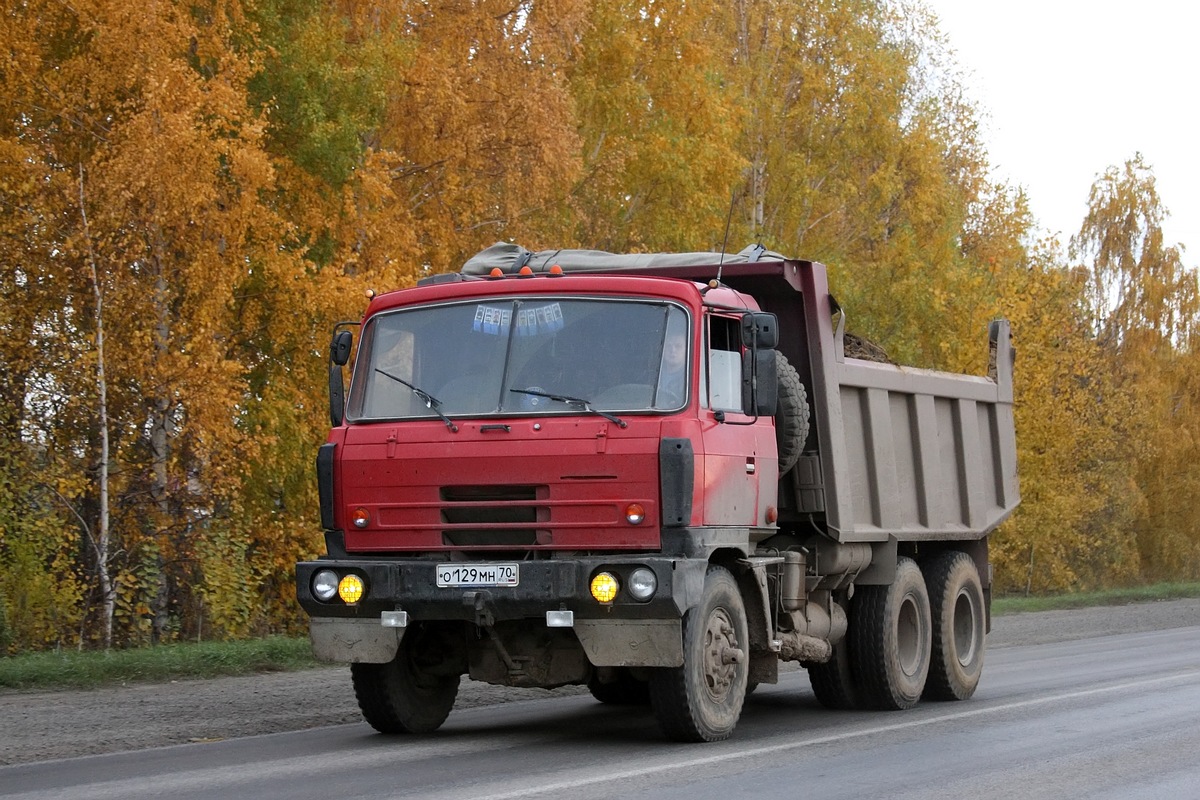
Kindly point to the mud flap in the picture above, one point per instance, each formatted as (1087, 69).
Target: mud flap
(631, 643)
(353, 641)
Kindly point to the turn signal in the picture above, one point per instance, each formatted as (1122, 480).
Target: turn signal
(604, 587)
(361, 518)
(635, 513)
(351, 589)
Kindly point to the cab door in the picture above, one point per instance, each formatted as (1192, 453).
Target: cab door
(741, 465)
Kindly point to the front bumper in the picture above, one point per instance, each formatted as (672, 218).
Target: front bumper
(624, 633)
(550, 585)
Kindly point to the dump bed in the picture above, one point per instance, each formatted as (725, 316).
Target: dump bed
(893, 451)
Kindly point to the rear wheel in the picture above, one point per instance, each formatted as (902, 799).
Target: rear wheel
(956, 596)
(891, 640)
(833, 682)
(702, 700)
(407, 694)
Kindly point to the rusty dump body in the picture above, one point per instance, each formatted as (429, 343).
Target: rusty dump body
(556, 467)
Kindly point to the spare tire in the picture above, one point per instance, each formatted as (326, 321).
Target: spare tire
(791, 415)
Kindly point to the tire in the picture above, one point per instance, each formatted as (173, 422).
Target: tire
(959, 629)
(833, 682)
(625, 690)
(702, 700)
(791, 415)
(404, 695)
(891, 640)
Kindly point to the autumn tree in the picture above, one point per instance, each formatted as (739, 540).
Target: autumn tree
(194, 193)
(1074, 443)
(145, 108)
(1146, 304)
(659, 119)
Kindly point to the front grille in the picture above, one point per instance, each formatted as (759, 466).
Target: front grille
(494, 516)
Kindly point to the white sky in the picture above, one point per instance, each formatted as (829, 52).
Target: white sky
(1072, 87)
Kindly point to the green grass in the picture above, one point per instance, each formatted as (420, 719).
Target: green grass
(72, 669)
(1111, 597)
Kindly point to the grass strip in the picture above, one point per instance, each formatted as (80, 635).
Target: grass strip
(1109, 597)
(73, 669)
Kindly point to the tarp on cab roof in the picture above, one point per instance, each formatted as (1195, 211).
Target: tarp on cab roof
(511, 257)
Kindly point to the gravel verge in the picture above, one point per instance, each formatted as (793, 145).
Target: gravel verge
(49, 725)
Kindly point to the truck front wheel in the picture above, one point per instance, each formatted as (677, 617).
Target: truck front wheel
(956, 595)
(890, 634)
(702, 700)
(407, 694)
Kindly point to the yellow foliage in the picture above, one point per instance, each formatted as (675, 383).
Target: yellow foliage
(247, 170)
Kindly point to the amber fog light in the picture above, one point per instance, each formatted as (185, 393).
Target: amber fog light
(351, 589)
(604, 587)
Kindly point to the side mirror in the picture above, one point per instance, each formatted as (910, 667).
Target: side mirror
(339, 354)
(760, 329)
(339, 348)
(760, 383)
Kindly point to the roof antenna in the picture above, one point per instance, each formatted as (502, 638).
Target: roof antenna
(724, 243)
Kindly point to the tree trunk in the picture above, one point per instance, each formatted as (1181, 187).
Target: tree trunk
(161, 434)
(101, 539)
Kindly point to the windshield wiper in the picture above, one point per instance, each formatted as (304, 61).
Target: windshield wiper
(578, 402)
(429, 400)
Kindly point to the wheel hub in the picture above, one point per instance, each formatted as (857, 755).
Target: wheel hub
(721, 653)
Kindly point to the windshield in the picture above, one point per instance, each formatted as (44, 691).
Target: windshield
(524, 356)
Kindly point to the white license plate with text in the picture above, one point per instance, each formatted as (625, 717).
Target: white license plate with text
(455, 575)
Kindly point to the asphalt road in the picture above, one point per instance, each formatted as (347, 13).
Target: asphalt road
(1098, 717)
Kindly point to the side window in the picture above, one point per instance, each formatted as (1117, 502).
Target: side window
(724, 372)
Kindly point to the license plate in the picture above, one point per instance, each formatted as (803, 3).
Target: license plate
(454, 575)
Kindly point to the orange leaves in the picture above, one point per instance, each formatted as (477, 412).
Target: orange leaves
(250, 171)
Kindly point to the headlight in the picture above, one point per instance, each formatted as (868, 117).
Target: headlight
(604, 587)
(325, 585)
(351, 589)
(643, 583)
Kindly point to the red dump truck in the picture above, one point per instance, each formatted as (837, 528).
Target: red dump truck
(656, 475)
